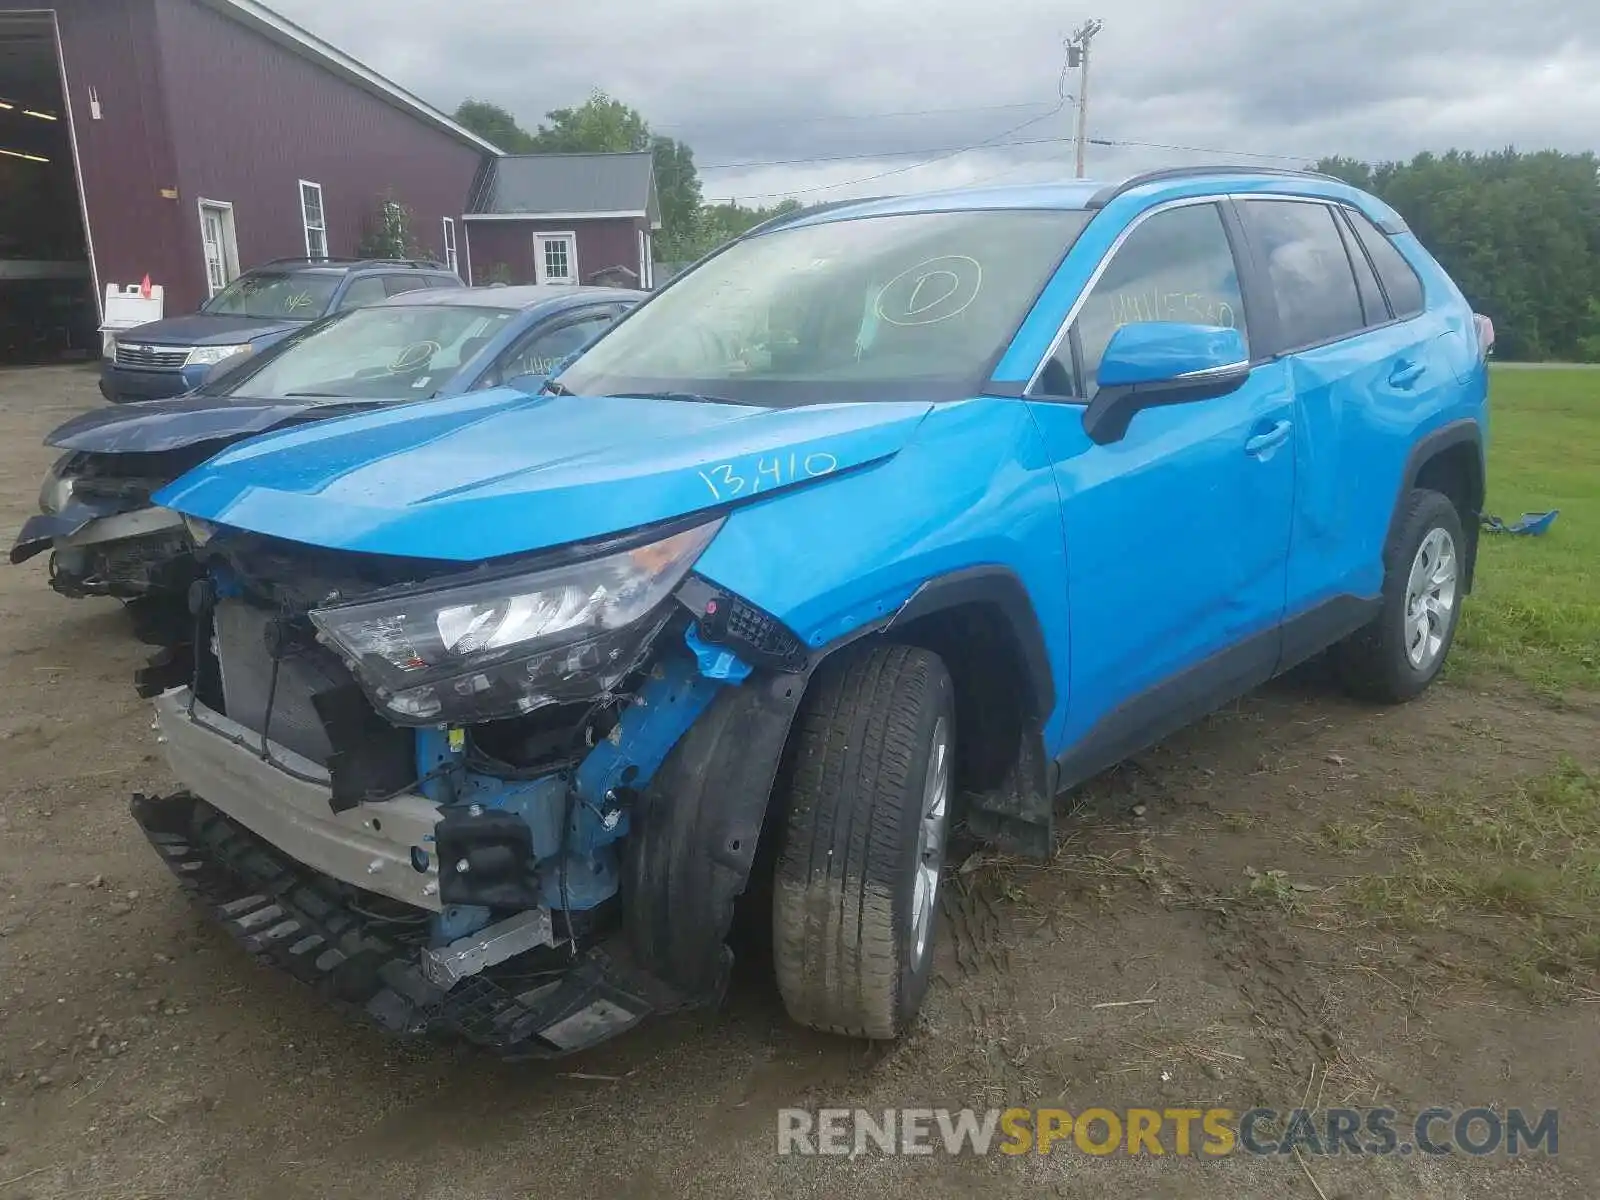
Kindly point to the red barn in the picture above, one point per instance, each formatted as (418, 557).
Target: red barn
(564, 218)
(187, 139)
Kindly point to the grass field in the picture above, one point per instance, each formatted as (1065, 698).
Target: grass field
(1535, 607)
(1524, 856)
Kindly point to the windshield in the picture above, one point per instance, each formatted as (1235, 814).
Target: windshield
(401, 353)
(907, 307)
(282, 295)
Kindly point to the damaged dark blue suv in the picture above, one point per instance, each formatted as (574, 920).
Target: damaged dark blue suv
(889, 516)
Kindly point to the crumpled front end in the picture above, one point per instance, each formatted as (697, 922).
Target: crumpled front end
(103, 534)
(463, 800)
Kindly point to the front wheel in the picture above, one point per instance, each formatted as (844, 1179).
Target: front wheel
(1403, 649)
(866, 790)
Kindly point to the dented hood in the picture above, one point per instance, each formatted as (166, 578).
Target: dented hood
(155, 426)
(498, 473)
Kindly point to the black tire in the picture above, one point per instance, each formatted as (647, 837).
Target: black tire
(845, 880)
(1372, 662)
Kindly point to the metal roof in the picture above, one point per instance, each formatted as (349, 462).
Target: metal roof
(567, 185)
(519, 298)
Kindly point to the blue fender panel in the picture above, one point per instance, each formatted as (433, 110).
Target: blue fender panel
(973, 489)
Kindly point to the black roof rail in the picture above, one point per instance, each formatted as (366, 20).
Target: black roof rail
(425, 264)
(302, 258)
(1110, 192)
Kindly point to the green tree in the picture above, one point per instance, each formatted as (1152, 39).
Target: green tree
(388, 234)
(678, 192)
(1519, 233)
(603, 123)
(598, 125)
(494, 125)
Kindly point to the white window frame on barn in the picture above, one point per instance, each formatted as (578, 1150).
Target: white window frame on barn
(450, 259)
(647, 266)
(319, 227)
(541, 241)
(222, 256)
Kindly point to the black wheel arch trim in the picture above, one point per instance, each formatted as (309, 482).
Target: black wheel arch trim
(694, 831)
(1001, 587)
(1465, 431)
(1430, 445)
(696, 827)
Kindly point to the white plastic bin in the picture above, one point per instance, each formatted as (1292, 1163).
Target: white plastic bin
(127, 307)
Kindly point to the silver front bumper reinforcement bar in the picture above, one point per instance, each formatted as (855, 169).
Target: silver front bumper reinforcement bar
(373, 846)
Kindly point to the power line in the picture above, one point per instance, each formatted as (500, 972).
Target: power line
(882, 116)
(1061, 102)
(1299, 158)
(787, 162)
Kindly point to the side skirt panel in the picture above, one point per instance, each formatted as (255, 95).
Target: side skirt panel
(1145, 719)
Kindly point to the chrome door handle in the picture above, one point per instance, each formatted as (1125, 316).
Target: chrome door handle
(1262, 442)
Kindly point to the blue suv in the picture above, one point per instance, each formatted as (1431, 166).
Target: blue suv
(889, 517)
(263, 306)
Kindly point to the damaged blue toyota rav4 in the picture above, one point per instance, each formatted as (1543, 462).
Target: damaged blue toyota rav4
(889, 516)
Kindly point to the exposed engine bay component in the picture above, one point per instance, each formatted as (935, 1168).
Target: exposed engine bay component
(283, 797)
(125, 566)
(496, 838)
(449, 965)
(262, 664)
(106, 539)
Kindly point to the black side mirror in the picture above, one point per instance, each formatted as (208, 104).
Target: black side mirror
(1153, 363)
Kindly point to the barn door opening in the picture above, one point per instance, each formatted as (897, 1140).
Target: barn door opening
(48, 307)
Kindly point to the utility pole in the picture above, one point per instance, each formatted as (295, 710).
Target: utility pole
(1078, 56)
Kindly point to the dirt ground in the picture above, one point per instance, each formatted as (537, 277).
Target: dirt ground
(143, 1055)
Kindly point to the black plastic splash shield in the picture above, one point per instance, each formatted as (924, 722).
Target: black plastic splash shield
(292, 917)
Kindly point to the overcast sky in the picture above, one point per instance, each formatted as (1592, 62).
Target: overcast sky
(758, 81)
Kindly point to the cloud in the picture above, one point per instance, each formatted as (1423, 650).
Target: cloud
(763, 82)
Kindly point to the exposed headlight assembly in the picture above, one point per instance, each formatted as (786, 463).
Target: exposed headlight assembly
(510, 644)
(207, 356)
(56, 493)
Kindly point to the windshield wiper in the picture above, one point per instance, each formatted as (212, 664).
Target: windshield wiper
(317, 396)
(554, 387)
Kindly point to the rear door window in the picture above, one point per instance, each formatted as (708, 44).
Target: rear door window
(1399, 277)
(1310, 271)
(1174, 266)
(368, 289)
(541, 350)
(397, 285)
(1373, 305)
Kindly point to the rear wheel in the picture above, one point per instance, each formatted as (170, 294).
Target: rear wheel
(866, 790)
(1403, 649)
